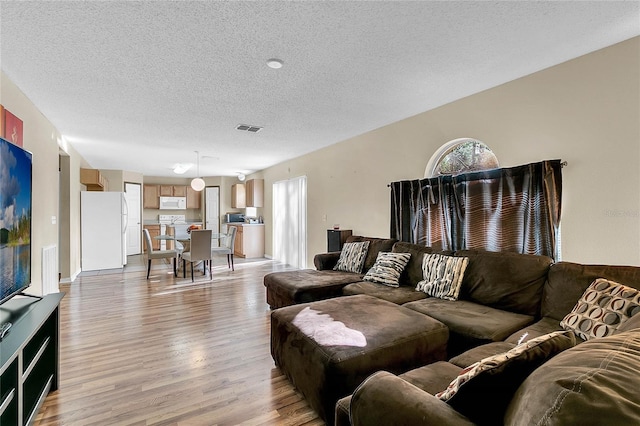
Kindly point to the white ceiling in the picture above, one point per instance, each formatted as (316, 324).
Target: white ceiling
(140, 86)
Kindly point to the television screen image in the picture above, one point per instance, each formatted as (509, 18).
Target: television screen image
(15, 219)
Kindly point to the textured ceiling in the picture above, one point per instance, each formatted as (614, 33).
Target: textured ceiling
(140, 86)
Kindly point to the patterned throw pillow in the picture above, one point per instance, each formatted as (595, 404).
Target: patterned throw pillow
(388, 268)
(352, 257)
(442, 275)
(603, 307)
(483, 390)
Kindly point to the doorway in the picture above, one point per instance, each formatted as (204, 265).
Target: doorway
(290, 221)
(132, 194)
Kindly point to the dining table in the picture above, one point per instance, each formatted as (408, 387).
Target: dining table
(185, 241)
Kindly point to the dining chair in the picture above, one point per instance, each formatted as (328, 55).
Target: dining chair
(158, 254)
(200, 250)
(227, 248)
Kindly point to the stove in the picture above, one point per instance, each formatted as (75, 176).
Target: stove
(170, 219)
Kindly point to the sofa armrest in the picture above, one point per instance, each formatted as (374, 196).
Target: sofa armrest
(384, 398)
(325, 261)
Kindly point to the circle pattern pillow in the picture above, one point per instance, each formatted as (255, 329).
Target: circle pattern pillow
(603, 307)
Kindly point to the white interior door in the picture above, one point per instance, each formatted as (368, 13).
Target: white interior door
(290, 222)
(134, 223)
(212, 211)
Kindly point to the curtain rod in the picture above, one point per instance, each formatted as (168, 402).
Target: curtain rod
(562, 164)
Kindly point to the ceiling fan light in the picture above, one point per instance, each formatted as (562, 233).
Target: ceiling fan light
(181, 169)
(197, 184)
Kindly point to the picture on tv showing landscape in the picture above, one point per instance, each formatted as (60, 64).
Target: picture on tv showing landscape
(15, 219)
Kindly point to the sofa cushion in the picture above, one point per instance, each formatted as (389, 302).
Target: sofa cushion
(479, 353)
(376, 245)
(442, 275)
(603, 307)
(432, 378)
(471, 324)
(567, 282)
(492, 381)
(387, 268)
(413, 271)
(509, 281)
(352, 257)
(398, 295)
(543, 326)
(595, 383)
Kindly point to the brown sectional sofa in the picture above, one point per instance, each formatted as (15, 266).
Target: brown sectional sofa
(503, 296)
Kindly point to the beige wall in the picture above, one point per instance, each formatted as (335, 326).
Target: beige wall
(585, 111)
(46, 144)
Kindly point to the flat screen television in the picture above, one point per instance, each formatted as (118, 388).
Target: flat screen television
(15, 219)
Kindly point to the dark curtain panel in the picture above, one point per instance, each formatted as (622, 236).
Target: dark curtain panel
(512, 209)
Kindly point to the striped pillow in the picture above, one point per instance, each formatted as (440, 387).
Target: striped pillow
(442, 275)
(388, 268)
(352, 257)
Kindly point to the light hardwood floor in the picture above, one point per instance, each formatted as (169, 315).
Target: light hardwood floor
(166, 351)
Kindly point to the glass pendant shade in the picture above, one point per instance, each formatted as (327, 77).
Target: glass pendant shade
(197, 183)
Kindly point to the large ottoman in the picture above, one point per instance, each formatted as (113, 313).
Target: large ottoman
(305, 285)
(327, 348)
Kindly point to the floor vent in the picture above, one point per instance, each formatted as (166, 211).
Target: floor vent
(50, 270)
(248, 128)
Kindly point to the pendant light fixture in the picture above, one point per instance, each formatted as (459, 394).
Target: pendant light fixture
(197, 184)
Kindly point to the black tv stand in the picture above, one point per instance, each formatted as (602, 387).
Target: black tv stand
(4, 329)
(29, 295)
(29, 357)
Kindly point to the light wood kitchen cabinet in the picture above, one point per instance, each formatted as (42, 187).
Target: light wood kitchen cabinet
(193, 198)
(166, 190)
(173, 191)
(249, 240)
(255, 193)
(179, 191)
(151, 197)
(93, 180)
(154, 231)
(238, 196)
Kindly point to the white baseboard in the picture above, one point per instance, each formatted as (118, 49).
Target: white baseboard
(69, 280)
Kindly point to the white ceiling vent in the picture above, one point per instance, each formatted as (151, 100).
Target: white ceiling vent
(248, 128)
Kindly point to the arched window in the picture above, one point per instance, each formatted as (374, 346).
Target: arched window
(460, 156)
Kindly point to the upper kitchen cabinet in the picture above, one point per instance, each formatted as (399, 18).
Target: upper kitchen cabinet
(238, 196)
(193, 198)
(173, 191)
(93, 180)
(151, 197)
(179, 191)
(255, 193)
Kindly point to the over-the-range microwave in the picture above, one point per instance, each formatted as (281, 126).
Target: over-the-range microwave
(173, 203)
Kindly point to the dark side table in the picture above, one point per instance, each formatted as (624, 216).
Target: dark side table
(336, 238)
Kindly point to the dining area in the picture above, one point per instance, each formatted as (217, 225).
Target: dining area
(191, 248)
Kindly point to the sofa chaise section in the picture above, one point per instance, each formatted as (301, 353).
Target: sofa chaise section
(301, 286)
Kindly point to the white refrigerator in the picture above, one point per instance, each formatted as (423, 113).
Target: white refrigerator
(103, 226)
